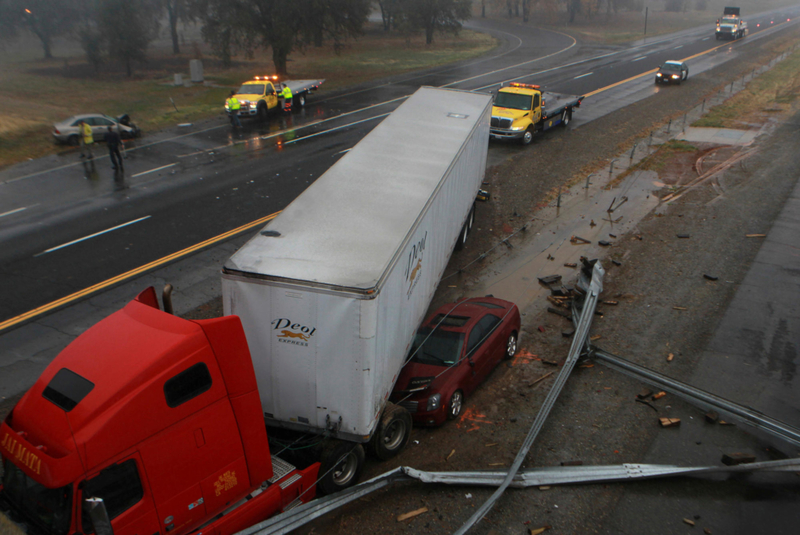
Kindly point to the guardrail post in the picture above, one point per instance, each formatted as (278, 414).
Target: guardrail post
(587, 180)
(669, 125)
(558, 201)
(650, 139)
(702, 107)
(684, 123)
(633, 151)
(611, 170)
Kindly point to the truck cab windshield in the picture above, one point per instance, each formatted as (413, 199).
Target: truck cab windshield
(47, 510)
(252, 89)
(514, 101)
(442, 348)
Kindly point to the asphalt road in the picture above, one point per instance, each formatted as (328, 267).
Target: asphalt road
(67, 226)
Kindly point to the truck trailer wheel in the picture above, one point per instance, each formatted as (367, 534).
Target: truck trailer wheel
(462, 236)
(527, 137)
(392, 432)
(300, 100)
(341, 465)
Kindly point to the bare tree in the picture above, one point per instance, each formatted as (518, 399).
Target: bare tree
(128, 26)
(48, 19)
(438, 15)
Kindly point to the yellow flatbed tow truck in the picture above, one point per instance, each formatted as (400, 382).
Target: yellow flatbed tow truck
(521, 110)
(260, 95)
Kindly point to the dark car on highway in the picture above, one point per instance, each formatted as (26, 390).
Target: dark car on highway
(455, 349)
(672, 72)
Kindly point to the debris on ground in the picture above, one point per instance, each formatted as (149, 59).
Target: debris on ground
(755, 235)
(549, 362)
(550, 279)
(670, 357)
(450, 455)
(687, 521)
(571, 265)
(541, 329)
(645, 393)
(610, 303)
(540, 530)
(567, 333)
(669, 422)
(712, 417)
(579, 240)
(564, 313)
(412, 514)
(571, 463)
(734, 459)
(679, 308)
(616, 262)
(604, 243)
(659, 395)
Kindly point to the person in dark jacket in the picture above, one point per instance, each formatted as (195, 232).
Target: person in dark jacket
(113, 141)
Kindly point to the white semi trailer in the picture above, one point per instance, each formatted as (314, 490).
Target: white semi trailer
(332, 291)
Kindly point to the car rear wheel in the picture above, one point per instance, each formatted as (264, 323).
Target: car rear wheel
(511, 345)
(392, 432)
(73, 140)
(341, 465)
(527, 137)
(455, 405)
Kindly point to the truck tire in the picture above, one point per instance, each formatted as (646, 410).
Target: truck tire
(73, 140)
(527, 137)
(455, 405)
(262, 111)
(341, 465)
(300, 100)
(471, 219)
(511, 345)
(392, 433)
(566, 117)
(462, 236)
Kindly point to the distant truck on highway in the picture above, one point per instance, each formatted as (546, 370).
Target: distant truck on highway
(521, 110)
(156, 424)
(731, 26)
(260, 95)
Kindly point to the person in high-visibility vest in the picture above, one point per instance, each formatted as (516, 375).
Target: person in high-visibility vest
(233, 108)
(287, 97)
(86, 138)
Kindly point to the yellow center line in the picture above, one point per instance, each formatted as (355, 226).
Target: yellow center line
(651, 71)
(132, 273)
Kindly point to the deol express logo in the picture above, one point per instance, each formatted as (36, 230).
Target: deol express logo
(414, 264)
(225, 482)
(21, 453)
(292, 333)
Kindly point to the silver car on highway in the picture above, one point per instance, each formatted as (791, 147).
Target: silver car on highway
(67, 131)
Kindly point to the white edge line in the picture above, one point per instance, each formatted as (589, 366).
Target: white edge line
(638, 59)
(335, 129)
(152, 170)
(677, 47)
(14, 211)
(92, 236)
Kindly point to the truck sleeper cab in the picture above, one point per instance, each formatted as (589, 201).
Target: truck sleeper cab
(158, 416)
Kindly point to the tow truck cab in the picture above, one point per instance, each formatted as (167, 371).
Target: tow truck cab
(158, 416)
(520, 110)
(257, 96)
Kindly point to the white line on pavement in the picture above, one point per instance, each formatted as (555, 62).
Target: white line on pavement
(638, 59)
(582, 75)
(13, 211)
(91, 236)
(152, 170)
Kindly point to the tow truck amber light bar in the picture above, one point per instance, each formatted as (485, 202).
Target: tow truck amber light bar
(531, 86)
(273, 77)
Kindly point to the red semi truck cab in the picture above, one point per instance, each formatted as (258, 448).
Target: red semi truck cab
(158, 416)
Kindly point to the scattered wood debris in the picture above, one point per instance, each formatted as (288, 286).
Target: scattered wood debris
(733, 459)
(669, 422)
(670, 357)
(450, 455)
(571, 265)
(540, 379)
(549, 362)
(679, 308)
(707, 531)
(712, 417)
(567, 333)
(595, 337)
(604, 243)
(412, 514)
(492, 444)
(541, 329)
(550, 279)
(659, 395)
(616, 262)
(755, 236)
(611, 303)
(684, 236)
(539, 531)
(710, 277)
(571, 463)
(564, 313)
(578, 240)
(687, 521)
(544, 487)
(645, 393)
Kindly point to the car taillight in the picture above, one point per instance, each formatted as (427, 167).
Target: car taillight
(57, 132)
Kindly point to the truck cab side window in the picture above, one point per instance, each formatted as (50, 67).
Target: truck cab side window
(186, 385)
(119, 486)
(536, 100)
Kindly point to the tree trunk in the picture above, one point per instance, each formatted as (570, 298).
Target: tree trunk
(525, 10)
(128, 67)
(172, 9)
(318, 37)
(279, 60)
(45, 39)
(429, 34)
(483, 9)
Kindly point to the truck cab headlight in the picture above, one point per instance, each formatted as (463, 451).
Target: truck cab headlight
(517, 128)
(434, 402)
(253, 105)
(659, 75)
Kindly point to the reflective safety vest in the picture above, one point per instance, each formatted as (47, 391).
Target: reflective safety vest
(86, 130)
(233, 103)
(286, 93)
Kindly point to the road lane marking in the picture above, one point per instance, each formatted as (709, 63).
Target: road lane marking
(90, 236)
(582, 75)
(638, 59)
(13, 211)
(132, 273)
(334, 129)
(152, 170)
(677, 47)
(705, 39)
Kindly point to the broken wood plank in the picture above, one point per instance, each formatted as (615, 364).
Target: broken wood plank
(539, 531)
(578, 239)
(733, 459)
(564, 313)
(755, 235)
(670, 422)
(659, 395)
(540, 379)
(412, 514)
(712, 417)
(450, 455)
(550, 279)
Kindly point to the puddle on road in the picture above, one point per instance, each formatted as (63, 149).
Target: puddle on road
(551, 237)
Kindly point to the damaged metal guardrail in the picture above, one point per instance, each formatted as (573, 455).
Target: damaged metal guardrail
(592, 289)
(533, 477)
(697, 397)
